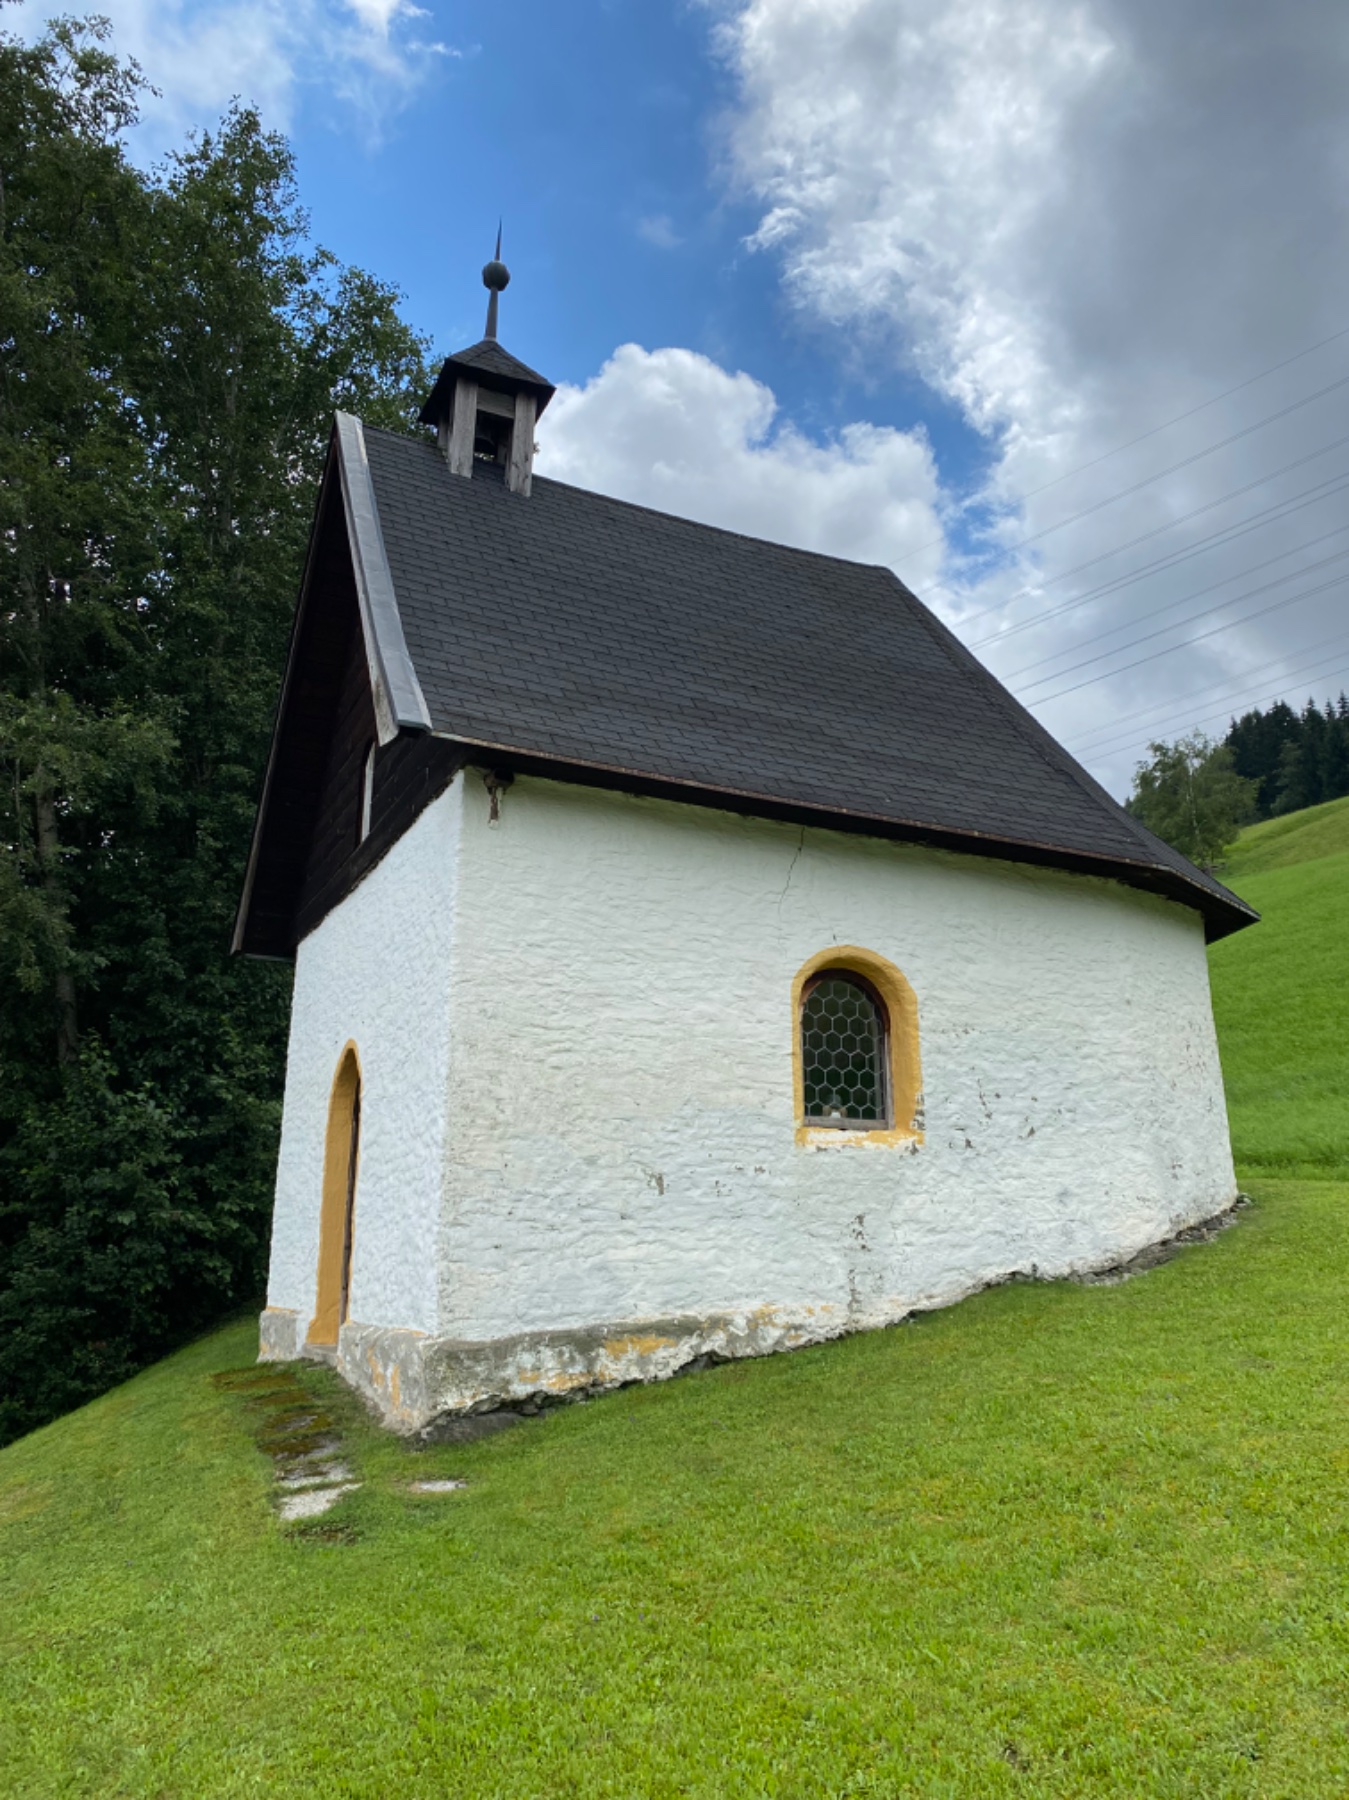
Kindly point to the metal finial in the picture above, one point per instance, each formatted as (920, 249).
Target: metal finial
(495, 277)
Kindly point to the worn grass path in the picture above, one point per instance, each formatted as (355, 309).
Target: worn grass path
(1054, 1541)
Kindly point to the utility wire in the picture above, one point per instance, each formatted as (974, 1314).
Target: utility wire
(1176, 624)
(1226, 394)
(1157, 530)
(1110, 740)
(1184, 463)
(1214, 541)
(1208, 718)
(1159, 713)
(1248, 618)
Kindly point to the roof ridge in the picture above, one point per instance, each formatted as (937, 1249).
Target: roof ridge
(656, 512)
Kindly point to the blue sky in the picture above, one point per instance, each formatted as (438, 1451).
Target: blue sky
(1010, 295)
(595, 132)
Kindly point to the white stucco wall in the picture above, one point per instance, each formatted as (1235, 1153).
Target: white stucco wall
(375, 972)
(576, 1033)
(622, 1142)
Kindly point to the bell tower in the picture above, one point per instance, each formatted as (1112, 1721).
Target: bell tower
(486, 402)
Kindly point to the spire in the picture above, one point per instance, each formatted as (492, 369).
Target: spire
(486, 402)
(495, 277)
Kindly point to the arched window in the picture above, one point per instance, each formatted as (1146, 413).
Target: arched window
(845, 1058)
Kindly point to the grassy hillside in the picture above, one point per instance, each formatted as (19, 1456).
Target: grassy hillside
(1281, 995)
(1295, 838)
(1055, 1541)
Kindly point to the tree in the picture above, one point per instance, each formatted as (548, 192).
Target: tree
(172, 350)
(1192, 797)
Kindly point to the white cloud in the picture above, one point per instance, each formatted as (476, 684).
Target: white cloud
(201, 54)
(673, 430)
(1078, 221)
(658, 229)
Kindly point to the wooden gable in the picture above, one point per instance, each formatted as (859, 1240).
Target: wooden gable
(308, 852)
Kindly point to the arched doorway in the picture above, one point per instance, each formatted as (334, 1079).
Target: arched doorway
(337, 1216)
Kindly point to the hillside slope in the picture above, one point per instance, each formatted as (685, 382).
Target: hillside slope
(1297, 837)
(1054, 1541)
(1281, 994)
(1059, 1540)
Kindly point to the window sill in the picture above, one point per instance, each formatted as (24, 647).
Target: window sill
(845, 1137)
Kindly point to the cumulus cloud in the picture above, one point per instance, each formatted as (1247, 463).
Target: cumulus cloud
(200, 54)
(673, 430)
(1078, 222)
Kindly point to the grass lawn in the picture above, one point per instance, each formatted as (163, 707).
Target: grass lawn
(1279, 995)
(1055, 1541)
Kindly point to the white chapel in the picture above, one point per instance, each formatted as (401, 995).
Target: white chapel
(698, 953)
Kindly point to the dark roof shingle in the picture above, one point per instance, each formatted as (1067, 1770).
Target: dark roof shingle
(588, 631)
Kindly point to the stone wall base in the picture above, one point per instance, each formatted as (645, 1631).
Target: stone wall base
(411, 1378)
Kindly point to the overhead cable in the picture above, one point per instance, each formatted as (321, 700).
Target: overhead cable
(1222, 711)
(1184, 463)
(1215, 540)
(1109, 740)
(1036, 587)
(1170, 649)
(1176, 624)
(1196, 456)
(1250, 381)
(1168, 708)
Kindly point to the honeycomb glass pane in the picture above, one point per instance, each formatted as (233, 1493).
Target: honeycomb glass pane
(842, 1046)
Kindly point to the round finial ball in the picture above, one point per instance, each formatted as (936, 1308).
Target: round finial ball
(495, 275)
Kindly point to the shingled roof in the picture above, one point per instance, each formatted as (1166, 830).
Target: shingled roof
(578, 635)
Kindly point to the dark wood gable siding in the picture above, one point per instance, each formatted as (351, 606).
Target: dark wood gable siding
(309, 857)
(409, 773)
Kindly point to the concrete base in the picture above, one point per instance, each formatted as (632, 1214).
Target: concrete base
(411, 1378)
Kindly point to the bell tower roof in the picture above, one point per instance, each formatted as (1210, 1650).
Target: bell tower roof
(492, 367)
(486, 402)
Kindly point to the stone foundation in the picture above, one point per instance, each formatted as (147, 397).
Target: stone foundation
(411, 1378)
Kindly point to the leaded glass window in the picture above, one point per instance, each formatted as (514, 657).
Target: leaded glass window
(843, 1052)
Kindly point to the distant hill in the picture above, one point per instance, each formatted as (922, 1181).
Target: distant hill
(1295, 838)
(1281, 994)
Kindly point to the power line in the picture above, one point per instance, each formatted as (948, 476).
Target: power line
(1176, 624)
(1184, 462)
(1169, 710)
(1109, 674)
(1115, 740)
(1226, 394)
(1161, 474)
(1208, 718)
(1157, 530)
(1214, 541)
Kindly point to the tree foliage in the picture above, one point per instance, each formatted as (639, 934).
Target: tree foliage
(1192, 797)
(171, 348)
(1295, 759)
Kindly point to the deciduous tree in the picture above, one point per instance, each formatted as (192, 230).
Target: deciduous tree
(171, 351)
(1191, 796)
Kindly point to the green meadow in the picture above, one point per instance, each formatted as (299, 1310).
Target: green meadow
(1279, 995)
(1059, 1540)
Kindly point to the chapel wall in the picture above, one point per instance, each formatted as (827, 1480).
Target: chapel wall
(623, 1144)
(375, 973)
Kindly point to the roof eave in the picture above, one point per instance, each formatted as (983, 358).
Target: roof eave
(1221, 916)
